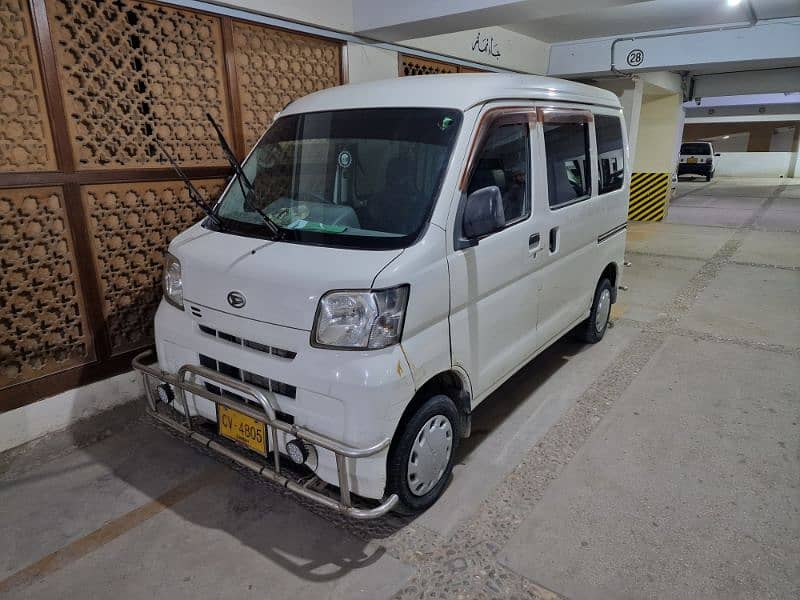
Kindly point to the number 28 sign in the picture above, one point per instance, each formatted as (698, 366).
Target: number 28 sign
(635, 57)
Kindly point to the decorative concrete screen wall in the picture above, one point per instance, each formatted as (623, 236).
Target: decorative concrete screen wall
(414, 65)
(87, 202)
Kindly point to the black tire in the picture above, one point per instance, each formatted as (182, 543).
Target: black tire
(400, 451)
(708, 177)
(588, 331)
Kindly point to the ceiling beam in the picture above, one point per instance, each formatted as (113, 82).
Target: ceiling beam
(394, 21)
(768, 44)
(747, 82)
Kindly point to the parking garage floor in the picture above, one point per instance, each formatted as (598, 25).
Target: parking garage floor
(663, 462)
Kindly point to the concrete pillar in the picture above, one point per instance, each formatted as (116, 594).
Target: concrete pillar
(658, 131)
(794, 170)
(630, 92)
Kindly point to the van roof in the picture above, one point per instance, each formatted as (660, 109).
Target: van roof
(456, 90)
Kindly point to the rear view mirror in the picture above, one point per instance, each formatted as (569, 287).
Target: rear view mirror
(716, 154)
(483, 213)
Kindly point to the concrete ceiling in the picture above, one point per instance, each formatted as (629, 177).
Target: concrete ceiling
(651, 15)
(390, 20)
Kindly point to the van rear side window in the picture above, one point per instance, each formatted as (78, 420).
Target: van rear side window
(610, 153)
(568, 168)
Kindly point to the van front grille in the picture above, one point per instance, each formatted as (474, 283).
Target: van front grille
(215, 389)
(272, 350)
(277, 387)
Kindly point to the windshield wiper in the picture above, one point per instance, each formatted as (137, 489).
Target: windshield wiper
(194, 195)
(243, 180)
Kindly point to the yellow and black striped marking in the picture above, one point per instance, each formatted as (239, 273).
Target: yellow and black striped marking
(648, 196)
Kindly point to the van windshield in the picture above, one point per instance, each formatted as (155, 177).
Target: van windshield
(697, 149)
(355, 178)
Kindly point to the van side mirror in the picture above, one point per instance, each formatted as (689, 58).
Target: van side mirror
(483, 213)
(716, 154)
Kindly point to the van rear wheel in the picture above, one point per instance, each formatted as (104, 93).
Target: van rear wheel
(421, 457)
(594, 328)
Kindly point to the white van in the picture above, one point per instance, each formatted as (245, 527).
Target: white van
(407, 246)
(697, 158)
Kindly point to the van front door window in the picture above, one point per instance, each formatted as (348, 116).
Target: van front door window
(503, 162)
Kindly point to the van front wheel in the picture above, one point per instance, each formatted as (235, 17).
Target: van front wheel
(421, 457)
(594, 328)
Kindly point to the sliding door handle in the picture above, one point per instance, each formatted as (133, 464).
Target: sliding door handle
(534, 241)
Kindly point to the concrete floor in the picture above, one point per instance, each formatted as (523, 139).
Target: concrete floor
(662, 463)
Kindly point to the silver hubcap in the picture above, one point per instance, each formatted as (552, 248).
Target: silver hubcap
(603, 310)
(430, 455)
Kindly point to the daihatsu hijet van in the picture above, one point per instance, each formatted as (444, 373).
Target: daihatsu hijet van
(391, 253)
(697, 158)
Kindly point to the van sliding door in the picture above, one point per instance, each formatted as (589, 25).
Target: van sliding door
(568, 222)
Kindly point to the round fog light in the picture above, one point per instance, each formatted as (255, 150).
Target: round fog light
(297, 451)
(165, 393)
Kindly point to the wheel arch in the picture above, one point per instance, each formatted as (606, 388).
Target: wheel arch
(611, 272)
(453, 383)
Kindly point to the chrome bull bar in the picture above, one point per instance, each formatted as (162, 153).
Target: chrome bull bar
(146, 364)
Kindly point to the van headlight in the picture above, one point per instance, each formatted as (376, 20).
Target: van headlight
(360, 320)
(173, 284)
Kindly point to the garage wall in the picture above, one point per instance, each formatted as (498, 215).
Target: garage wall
(368, 63)
(87, 202)
(761, 133)
(491, 46)
(756, 164)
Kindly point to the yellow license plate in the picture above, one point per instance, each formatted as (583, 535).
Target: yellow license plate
(243, 429)
(691, 160)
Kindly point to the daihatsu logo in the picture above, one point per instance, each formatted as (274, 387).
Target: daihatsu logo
(236, 299)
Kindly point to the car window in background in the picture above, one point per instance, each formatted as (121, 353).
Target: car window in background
(698, 149)
(610, 153)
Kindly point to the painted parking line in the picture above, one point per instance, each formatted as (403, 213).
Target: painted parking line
(110, 531)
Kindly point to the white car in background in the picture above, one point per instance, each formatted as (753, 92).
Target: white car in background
(697, 158)
(389, 254)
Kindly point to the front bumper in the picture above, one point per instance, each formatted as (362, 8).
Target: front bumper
(183, 383)
(356, 398)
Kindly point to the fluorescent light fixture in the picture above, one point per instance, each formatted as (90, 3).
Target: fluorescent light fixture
(726, 137)
(734, 2)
